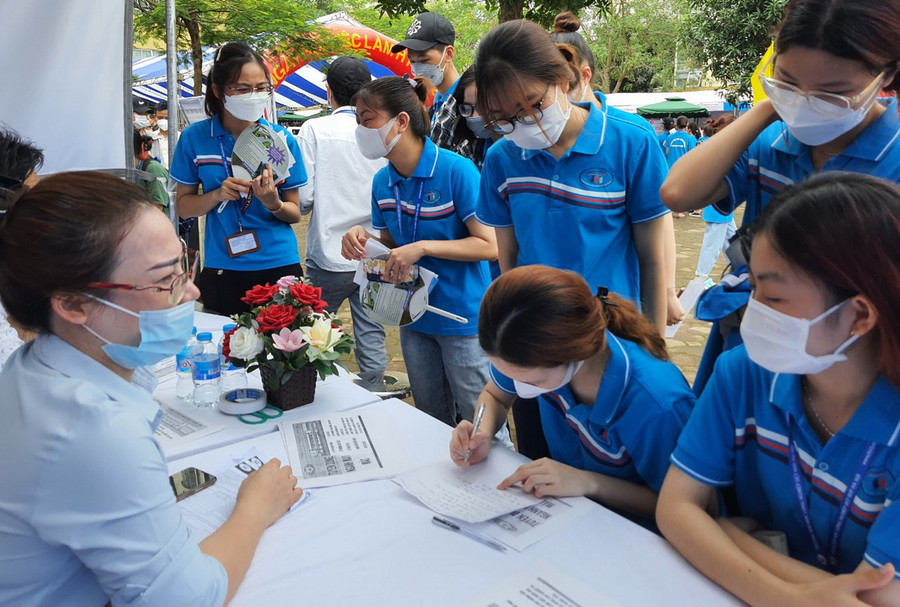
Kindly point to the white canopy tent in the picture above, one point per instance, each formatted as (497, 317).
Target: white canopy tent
(713, 101)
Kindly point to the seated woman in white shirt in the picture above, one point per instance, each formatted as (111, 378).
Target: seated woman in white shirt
(87, 515)
(19, 162)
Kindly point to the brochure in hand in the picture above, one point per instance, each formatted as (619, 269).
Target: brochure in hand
(259, 145)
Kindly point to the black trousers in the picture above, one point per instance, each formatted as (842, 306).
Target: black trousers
(221, 290)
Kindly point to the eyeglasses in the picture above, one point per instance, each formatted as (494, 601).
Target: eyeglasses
(243, 89)
(508, 125)
(176, 290)
(789, 94)
(466, 110)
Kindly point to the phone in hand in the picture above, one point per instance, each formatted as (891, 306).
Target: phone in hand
(189, 481)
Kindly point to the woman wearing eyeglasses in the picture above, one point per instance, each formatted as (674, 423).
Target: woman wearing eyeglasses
(803, 422)
(568, 185)
(248, 238)
(832, 58)
(87, 515)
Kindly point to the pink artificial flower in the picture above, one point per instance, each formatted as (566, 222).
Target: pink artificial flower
(284, 283)
(287, 340)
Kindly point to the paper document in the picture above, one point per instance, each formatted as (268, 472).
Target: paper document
(468, 494)
(343, 448)
(192, 109)
(177, 428)
(688, 300)
(257, 146)
(387, 303)
(207, 510)
(542, 585)
(522, 528)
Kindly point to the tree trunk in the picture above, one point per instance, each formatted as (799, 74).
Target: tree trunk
(510, 10)
(192, 25)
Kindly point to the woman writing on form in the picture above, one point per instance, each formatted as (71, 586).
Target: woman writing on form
(611, 404)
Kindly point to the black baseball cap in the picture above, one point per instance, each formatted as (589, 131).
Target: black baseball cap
(140, 105)
(346, 75)
(425, 31)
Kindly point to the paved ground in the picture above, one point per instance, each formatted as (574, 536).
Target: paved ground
(685, 349)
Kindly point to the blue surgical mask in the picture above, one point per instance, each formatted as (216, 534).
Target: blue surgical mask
(476, 125)
(163, 334)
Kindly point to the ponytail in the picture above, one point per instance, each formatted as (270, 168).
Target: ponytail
(624, 320)
(538, 316)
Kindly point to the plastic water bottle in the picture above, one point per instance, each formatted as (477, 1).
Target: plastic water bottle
(206, 372)
(232, 377)
(184, 384)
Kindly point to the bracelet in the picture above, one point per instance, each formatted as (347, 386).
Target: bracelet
(273, 211)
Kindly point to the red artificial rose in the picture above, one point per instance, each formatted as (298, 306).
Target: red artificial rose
(226, 344)
(260, 294)
(309, 295)
(275, 318)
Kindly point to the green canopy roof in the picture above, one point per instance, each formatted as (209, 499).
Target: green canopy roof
(672, 107)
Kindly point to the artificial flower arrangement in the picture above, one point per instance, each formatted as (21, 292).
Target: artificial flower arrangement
(286, 329)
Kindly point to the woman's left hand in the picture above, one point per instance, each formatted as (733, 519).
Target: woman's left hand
(546, 477)
(400, 259)
(264, 189)
(674, 309)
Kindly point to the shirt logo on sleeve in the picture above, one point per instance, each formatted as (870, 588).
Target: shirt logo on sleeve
(596, 178)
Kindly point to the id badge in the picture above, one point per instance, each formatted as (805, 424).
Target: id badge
(241, 243)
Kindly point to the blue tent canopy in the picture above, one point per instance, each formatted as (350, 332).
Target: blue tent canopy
(303, 88)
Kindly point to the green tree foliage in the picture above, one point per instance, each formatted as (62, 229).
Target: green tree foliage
(470, 20)
(542, 11)
(277, 26)
(634, 44)
(730, 37)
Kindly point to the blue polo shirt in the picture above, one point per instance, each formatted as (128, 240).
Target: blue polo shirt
(633, 425)
(738, 436)
(776, 159)
(678, 144)
(198, 160)
(577, 213)
(449, 196)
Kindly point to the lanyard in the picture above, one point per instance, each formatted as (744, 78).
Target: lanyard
(830, 561)
(418, 210)
(238, 210)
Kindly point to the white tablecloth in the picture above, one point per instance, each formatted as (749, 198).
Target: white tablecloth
(372, 544)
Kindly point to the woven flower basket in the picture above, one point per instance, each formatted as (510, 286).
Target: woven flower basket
(299, 390)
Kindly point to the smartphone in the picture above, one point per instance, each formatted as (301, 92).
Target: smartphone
(189, 481)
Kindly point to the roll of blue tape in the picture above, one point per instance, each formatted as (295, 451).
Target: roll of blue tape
(242, 401)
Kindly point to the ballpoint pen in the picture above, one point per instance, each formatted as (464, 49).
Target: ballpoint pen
(478, 417)
(440, 522)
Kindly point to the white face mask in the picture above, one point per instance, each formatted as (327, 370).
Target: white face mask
(163, 124)
(249, 106)
(526, 390)
(435, 73)
(371, 141)
(543, 134)
(777, 341)
(813, 121)
(141, 122)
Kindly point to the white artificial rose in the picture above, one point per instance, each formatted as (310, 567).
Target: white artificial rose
(245, 344)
